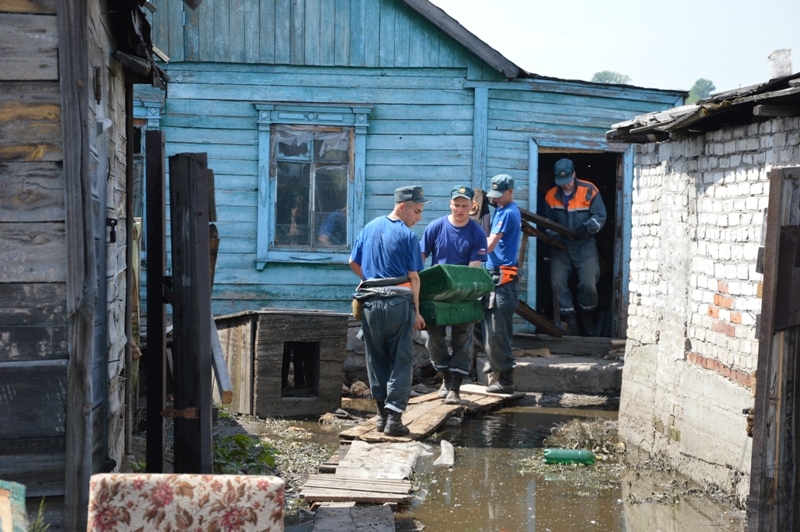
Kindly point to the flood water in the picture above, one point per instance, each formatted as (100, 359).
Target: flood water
(486, 490)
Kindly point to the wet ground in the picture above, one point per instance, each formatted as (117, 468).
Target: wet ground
(493, 487)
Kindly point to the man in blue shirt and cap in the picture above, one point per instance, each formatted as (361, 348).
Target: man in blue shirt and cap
(454, 239)
(500, 306)
(387, 258)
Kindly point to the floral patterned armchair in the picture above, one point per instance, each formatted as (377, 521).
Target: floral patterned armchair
(171, 502)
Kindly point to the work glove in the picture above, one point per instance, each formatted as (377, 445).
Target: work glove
(582, 232)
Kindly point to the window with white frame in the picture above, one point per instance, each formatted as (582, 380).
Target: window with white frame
(311, 182)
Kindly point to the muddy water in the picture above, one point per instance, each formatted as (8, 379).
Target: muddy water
(486, 491)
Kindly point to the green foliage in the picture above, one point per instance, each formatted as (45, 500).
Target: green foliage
(136, 466)
(242, 453)
(701, 89)
(607, 76)
(38, 524)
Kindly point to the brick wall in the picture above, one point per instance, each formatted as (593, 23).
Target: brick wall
(698, 211)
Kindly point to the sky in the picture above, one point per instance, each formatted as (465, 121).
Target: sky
(664, 45)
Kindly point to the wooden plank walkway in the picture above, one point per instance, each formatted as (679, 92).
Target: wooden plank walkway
(426, 413)
(324, 488)
(354, 519)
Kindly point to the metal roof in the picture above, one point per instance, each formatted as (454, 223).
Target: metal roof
(775, 98)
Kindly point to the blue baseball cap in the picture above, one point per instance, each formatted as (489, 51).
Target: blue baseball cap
(500, 183)
(563, 171)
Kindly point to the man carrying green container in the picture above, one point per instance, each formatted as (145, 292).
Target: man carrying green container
(454, 239)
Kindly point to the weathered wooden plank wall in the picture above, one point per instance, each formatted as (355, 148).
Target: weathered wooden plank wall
(360, 33)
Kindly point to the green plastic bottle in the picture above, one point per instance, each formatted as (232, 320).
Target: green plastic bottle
(568, 456)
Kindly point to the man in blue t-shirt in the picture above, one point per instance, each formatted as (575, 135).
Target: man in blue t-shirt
(387, 259)
(453, 239)
(500, 306)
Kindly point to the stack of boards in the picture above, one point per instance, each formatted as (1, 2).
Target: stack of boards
(450, 294)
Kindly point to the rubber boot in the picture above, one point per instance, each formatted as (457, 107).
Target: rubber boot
(453, 397)
(447, 376)
(505, 383)
(572, 325)
(586, 323)
(380, 422)
(394, 425)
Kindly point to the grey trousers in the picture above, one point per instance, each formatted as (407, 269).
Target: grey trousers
(388, 326)
(461, 341)
(580, 255)
(498, 325)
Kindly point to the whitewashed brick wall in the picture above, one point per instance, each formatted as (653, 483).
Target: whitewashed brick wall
(697, 214)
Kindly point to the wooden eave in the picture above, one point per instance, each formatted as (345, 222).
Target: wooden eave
(466, 38)
(778, 97)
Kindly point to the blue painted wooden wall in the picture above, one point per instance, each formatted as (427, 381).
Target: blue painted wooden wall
(426, 126)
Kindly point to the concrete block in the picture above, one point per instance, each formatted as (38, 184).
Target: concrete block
(567, 374)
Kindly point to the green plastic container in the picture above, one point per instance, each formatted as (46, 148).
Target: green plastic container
(568, 456)
(453, 284)
(439, 313)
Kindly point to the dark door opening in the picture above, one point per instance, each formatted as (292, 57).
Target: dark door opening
(602, 169)
(300, 369)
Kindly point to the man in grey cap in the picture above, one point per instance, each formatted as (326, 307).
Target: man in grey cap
(387, 259)
(500, 306)
(576, 204)
(454, 239)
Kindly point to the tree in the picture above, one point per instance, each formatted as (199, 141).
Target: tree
(607, 76)
(701, 89)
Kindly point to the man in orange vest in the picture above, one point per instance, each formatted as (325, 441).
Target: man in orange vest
(576, 204)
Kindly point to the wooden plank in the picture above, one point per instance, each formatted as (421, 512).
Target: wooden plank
(266, 28)
(73, 64)
(236, 337)
(297, 29)
(372, 34)
(37, 342)
(327, 33)
(355, 519)
(283, 32)
(341, 56)
(542, 324)
(311, 33)
(175, 30)
(191, 351)
(357, 32)
(32, 252)
(541, 221)
(401, 37)
(30, 122)
(36, 395)
(30, 47)
(388, 14)
(35, 304)
(32, 192)
(41, 7)
(220, 367)
(156, 353)
(236, 30)
(41, 473)
(380, 461)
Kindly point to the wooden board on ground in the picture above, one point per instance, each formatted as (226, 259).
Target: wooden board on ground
(330, 465)
(355, 519)
(426, 413)
(321, 488)
(380, 460)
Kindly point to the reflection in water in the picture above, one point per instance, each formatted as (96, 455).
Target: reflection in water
(486, 491)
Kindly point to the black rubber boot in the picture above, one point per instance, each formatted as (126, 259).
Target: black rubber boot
(586, 323)
(453, 397)
(505, 383)
(380, 422)
(572, 325)
(394, 425)
(447, 376)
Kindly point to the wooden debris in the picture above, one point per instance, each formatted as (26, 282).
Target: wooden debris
(354, 519)
(320, 488)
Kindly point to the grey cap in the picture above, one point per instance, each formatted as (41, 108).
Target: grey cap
(563, 171)
(412, 193)
(500, 183)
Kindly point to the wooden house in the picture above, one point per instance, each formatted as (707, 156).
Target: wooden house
(312, 112)
(66, 75)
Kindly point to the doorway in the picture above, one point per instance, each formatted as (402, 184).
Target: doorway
(604, 170)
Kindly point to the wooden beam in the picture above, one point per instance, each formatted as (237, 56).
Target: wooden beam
(542, 324)
(224, 385)
(73, 64)
(531, 231)
(776, 110)
(541, 221)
